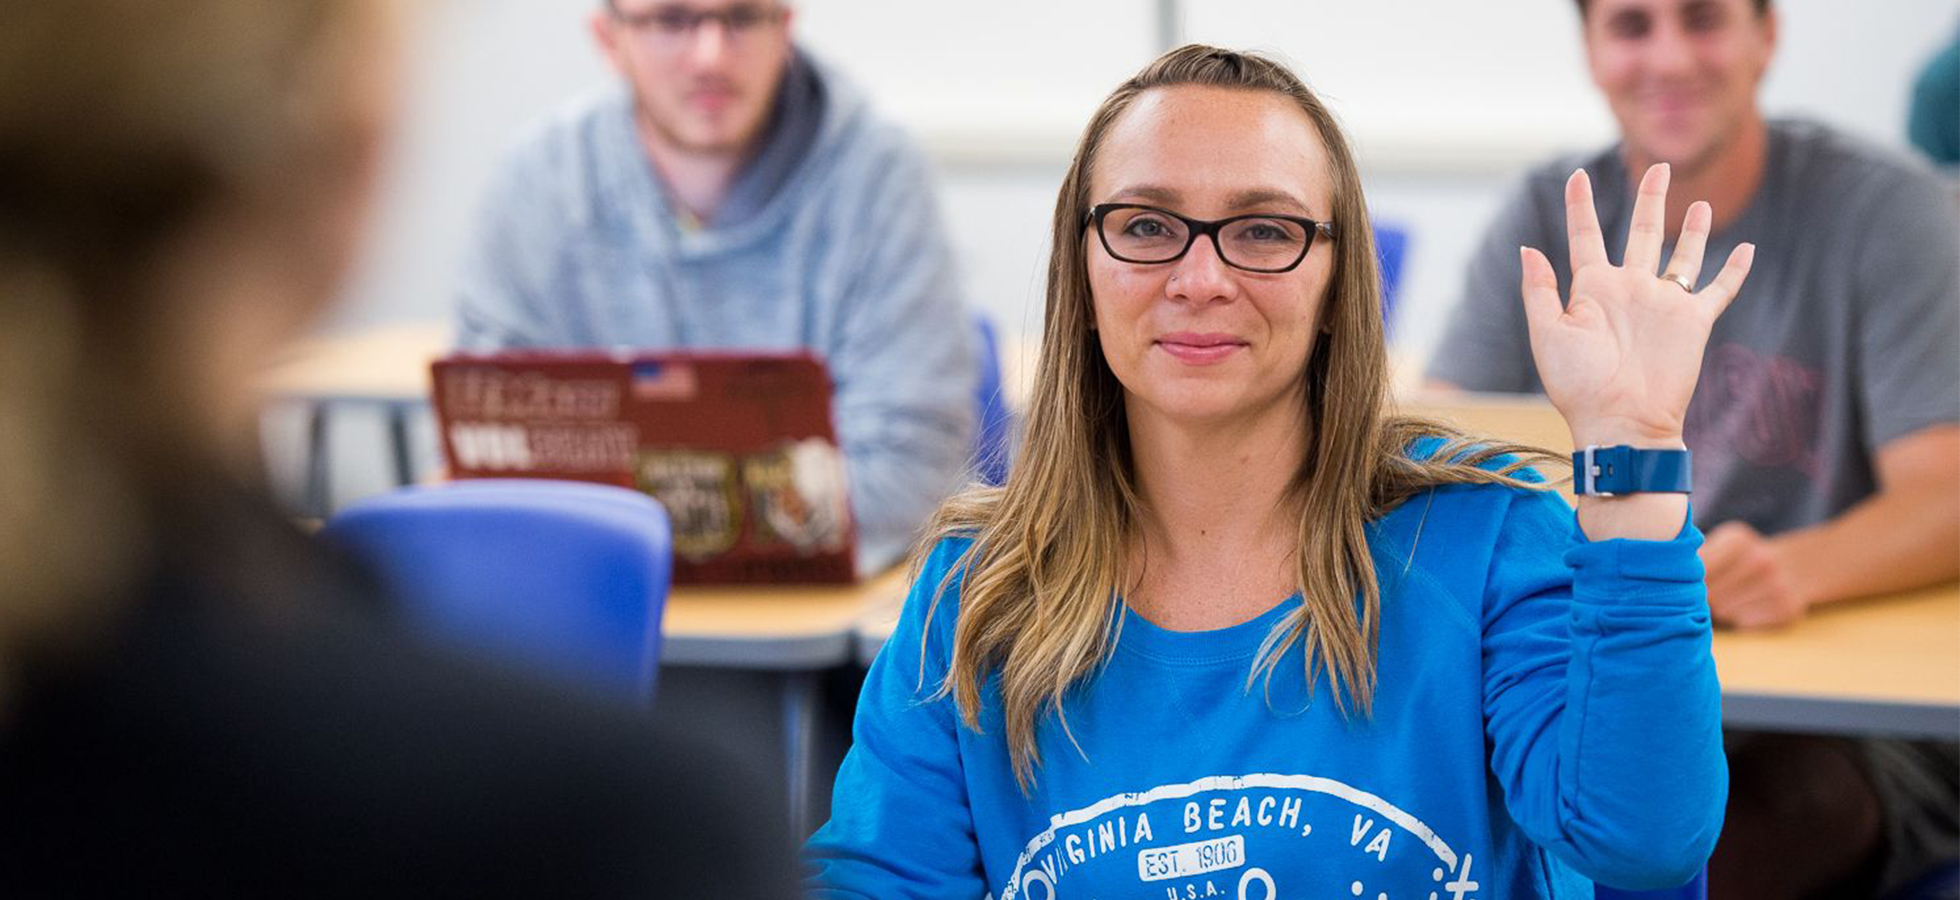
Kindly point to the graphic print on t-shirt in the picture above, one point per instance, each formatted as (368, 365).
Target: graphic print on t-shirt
(1756, 409)
(1259, 836)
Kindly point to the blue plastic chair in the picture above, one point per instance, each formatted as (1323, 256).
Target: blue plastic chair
(993, 440)
(1693, 890)
(1391, 247)
(565, 577)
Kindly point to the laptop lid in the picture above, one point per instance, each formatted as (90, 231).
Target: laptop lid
(738, 447)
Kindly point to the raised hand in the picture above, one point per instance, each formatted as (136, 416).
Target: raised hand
(1621, 358)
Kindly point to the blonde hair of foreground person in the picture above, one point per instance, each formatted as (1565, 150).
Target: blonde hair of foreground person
(181, 186)
(1049, 558)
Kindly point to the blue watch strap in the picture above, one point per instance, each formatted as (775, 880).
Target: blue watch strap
(1606, 471)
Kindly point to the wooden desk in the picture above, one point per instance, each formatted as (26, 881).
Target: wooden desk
(1886, 666)
(1520, 418)
(1881, 666)
(772, 627)
(386, 365)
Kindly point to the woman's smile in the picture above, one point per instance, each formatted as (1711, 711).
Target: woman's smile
(1192, 348)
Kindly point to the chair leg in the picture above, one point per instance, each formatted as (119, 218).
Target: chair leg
(317, 498)
(799, 746)
(398, 444)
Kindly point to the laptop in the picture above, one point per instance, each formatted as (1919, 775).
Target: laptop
(739, 447)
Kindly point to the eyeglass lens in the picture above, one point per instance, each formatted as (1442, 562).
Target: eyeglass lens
(679, 20)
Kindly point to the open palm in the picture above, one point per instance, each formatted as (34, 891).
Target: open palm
(1621, 358)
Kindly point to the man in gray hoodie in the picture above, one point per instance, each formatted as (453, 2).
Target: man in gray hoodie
(729, 193)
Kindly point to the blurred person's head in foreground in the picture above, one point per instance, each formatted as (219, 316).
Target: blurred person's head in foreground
(704, 75)
(195, 694)
(181, 190)
(1681, 76)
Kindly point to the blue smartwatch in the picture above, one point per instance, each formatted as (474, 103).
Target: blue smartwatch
(1607, 471)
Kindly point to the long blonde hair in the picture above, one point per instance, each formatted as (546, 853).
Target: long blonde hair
(1040, 596)
(124, 126)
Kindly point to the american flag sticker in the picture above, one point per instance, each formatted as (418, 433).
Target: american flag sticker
(655, 380)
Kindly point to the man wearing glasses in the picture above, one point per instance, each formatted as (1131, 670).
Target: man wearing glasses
(729, 193)
(1827, 454)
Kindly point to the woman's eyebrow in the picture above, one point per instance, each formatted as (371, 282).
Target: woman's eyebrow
(1250, 198)
(1255, 197)
(1150, 193)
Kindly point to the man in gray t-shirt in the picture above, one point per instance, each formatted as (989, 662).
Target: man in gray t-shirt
(1824, 426)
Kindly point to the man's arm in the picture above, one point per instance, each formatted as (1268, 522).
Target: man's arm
(506, 269)
(1905, 536)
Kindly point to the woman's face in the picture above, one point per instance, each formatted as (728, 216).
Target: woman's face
(1197, 340)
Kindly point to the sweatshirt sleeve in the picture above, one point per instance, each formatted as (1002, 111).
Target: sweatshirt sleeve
(900, 824)
(1600, 697)
(904, 362)
(503, 288)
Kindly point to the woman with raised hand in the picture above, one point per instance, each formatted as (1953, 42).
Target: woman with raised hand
(1233, 627)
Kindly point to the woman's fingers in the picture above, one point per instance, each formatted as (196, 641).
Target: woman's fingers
(1582, 223)
(1540, 289)
(1686, 262)
(1648, 229)
(1728, 282)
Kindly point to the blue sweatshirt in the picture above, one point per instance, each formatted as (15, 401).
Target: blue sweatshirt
(829, 240)
(1546, 713)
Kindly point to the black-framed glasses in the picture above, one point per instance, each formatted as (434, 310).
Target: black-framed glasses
(1259, 242)
(674, 20)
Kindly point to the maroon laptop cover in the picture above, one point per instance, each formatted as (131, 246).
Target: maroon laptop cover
(738, 447)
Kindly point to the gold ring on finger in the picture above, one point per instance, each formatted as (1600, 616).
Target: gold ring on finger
(1681, 280)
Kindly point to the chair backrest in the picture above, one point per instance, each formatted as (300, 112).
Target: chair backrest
(564, 577)
(993, 437)
(1391, 247)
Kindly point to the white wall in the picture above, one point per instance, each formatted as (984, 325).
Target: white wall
(1447, 101)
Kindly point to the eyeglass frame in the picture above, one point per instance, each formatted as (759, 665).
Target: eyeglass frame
(1203, 227)
(772, 15)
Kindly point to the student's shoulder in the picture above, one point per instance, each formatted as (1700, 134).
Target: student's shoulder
(859, 142)
(1480, 499)
(1547, 178)
(1481, 451)
(1537, 197)
(1839, 170)
(557, 136)
(555, 163)
(1454, 530)
(944, 565)
(932, 600)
